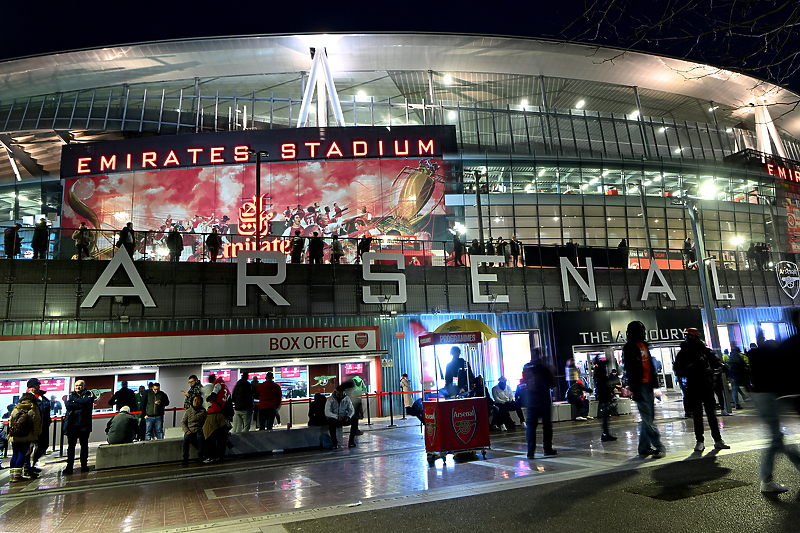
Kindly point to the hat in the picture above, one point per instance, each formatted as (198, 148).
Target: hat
(125, 409)
(502, 378)
(691, 331)
(33, 383)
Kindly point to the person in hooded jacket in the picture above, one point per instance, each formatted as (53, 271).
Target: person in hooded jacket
(575, 396)
(539, 379)
(77, 424)
(604, 392)
(642, 380)
(216, 425)
(40, 240)
(29, 407)
(697, 364)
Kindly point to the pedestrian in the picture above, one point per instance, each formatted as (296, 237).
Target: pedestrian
(192, 425)
(739, 374)
(316, 249)
(408, 399)
(503, 250)
(363, 247)
(515, 248)
(270, 397)
(242, 404)
(155, 403)
(475, 248)
(12, 241)
(340, 412)
(576, 396)
(490, 250)
(458, 249)
(122, 427)
(254, 386)
(175, 245)
(336, 250)
(217, 424)
(688, 253)
(697, 365)
(195, 389)
(41, 444)
(40, 241)
(214, 244)
(77, 424)
(316, 411)
(84, 238)
(24, 428)
(297, 248)
(127, 239)
(604, 393)
(539, 379)
(642, 379)
(506, 402)
(765, 361)
(124, 397)
(140, 397)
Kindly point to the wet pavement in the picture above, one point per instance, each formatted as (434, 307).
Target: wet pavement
(387, 474)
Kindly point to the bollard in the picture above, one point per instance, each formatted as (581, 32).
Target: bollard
(174, 414)
(289, 425)
(54, 433)
(61, 450)
(391, 412)
(368, 418)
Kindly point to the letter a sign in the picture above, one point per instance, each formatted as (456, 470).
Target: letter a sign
(101, 287)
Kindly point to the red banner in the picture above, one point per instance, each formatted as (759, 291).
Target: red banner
(9, 387)
(52, 385)
(353, 368)
(454, 425)
(289, 372)
(224, 374)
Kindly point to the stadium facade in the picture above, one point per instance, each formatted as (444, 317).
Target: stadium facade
(406, 138)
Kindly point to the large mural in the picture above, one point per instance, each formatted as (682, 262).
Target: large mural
(392, 199)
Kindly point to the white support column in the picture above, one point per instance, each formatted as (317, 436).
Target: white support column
(765, 129)
(308, 93)
(334, 97)
(320, 78)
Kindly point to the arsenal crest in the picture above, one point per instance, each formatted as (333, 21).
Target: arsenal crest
(362, 339)
(465, 422)
(430, 425)
(788, 277)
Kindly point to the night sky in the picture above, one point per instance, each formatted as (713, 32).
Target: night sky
(758, 44)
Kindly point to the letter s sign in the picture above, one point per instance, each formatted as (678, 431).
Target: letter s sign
(401, 296)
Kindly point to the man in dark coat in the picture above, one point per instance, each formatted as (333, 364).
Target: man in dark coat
(39, 450)
(297, 247)
(213, 243)
(316, 249)
(458, 249)
(127, 239)
(242, 396)
(122, 428)
(539, 379)
(77, 424)
(576, 397)
(460, 371)
(12, 241)
(515, 247)
(175, 245)
(642, 379)
(697, 365)
(604, 392)
(124, 396)
(40, 240)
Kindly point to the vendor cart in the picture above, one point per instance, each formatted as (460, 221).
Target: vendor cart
(453, 423)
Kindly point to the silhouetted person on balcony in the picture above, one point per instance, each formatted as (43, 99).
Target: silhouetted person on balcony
(175, 245)
(458, 249)
(213, 243)
(297, 247)
(40, 240)
(515, 247)
(363, 247)
(337, 252)
(83, 237)
(127, 239)
(12, 241)
(316, 249)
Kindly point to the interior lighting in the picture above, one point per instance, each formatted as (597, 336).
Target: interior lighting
(451, 115)
(678, 150)
(605, 172)
(662, 129)
(524, 103)
(708, 190)
(712, 109)
(362, 95)
(223, 363)
(541, 172)
(736, 241)
(657, 178)
(447, 79)
(635, 114)
(580, 104)
(594, 180)
(729, 130)
(648, 183)
(136, 367)
(295, 360)
(584, 185)
(555, 218)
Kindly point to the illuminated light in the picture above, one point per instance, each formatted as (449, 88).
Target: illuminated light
(216, 154)
(162, 251)
(677, 150)
(580, 104)
(121, 215)
(662, 129)
(451, 115)
(149, 158)
(605, 172)
(497, 219)
(412, 198)
(657, 178)
(736, 241)
(380, 147)
(594, 180)
(555, 218)
(240, 153)
(128, 162)
(108, 163)
(83, 165)
(171, 158)
(362, 357)
(708, 190)
(633, 190)
(584, 185)
(729, 130)
(24, 199)
(359, 152)
(362, 94)
(334, 150)
(648, 183)
(223, 363)
(426, 148)
(136, 367)
(609, 219)
(656, 220)
(524, 103)
(635, 114)
(397, 150)
(288, 151)
(712, 109)
(295, 360)
(194, 152)
(541, 172)
(447, 79)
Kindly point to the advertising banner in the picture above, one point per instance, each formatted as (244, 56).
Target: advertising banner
(454, 425)
(53, 385)
(9, 387)
(450, 338)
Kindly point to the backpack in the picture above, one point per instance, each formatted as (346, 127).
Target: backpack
(20, 425)
(327, 442)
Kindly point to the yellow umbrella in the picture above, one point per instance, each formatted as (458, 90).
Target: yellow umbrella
(468, 324)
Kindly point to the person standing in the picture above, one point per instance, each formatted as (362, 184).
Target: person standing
(195, 389)
(604, 392)
(739, 374)
(297, 248)
(124, 396)
(502, 250)
(127, 239)
(42, 442)
(216, 426)
(336, 250)
(515, 248)
(155, 403)
(242, 404)
(270, 397)
(83, 237)
(458, 249)
(24, 427)
(539, 379)
(214, 244)
(175, 245)
(41, 239)
(192, 425)
(490, 249)
(316, 249)
(77, 424)
(697, 365)
(405, 386)
(363, 247)
(12, 241)
(642, 380)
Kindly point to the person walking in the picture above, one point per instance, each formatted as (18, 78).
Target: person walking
(642, 379)
(83, 237)
(24, 428)
(12, 241)
(539, 379)
(127, 239)
(77, 424)
(242, 404)
(214, 244)
(175, 245)
(604, 392)
(697, 365)
(40, 241)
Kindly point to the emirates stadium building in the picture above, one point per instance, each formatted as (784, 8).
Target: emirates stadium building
(408, 139)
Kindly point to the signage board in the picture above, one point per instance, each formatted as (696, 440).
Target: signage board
(9, 387)
(473, 337)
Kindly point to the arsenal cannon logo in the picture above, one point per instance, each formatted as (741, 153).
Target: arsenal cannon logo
(362, 339)
(788, 277)
(430, 425)
(465, 422)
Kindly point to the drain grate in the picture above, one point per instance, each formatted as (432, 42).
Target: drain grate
(671, 493)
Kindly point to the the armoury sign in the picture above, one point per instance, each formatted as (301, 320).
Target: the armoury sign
(788, 278)
(267, 283)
